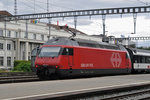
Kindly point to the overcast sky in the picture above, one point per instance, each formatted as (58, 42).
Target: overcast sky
(116, 25)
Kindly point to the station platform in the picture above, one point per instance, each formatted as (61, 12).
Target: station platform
(55, 88)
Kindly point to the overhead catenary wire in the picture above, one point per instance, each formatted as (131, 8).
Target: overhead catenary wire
(15, 7)
(28, 6)
(145, 3)
(39, 6)
(139, 1)
(35, 4)
(55, 5)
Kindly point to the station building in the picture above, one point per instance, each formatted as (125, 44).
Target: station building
(19, 38)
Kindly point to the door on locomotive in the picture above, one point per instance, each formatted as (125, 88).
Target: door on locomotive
(68, 52)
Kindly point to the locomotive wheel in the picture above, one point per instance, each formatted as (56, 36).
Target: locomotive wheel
(41, 74)
(41, 77)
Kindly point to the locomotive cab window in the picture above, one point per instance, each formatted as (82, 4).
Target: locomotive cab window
(67, 51)
(49, 51)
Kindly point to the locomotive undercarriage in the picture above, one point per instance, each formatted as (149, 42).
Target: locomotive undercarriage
(49, 72)
(45, 73)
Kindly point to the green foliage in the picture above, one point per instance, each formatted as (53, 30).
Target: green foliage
(22, 66)
(148, 48)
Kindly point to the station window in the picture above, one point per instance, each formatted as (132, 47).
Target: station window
(8, 61)
(1, 32)
(34, 36)
(1, 46)
(25, 35)
(23, 55)
(42, 37)
(14, 46)
(8, 46)
(16, 34)
(1, 61)
(8, 33)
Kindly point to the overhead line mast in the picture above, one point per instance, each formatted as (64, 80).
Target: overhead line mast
(15, 7)
(49, 21)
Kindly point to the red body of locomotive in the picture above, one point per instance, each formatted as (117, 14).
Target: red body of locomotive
(65, 61)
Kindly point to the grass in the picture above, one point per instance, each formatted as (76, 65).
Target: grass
(3, 71)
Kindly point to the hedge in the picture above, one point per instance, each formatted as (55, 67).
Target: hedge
(22, 66)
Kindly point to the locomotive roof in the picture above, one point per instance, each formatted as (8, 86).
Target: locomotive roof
(80, 42)
(61, 41)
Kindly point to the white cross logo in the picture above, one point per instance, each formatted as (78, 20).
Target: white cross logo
(116, 59)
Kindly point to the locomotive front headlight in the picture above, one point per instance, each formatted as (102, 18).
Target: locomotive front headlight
(57, 66)
(36, 66)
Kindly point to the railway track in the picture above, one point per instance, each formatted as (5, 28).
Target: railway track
(134, 95)
(13, 77)
(140, 92)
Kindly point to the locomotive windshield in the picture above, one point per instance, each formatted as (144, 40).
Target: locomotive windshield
(49, 51)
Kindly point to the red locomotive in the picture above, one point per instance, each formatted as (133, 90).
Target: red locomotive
(66, 57)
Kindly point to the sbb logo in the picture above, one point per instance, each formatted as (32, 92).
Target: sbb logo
(116, 59)
(148, 66)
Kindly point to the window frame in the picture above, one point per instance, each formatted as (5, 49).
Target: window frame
(1, 46)
(42, 37)
(8, 33)
(1, 32)
(8, 46)
(1, 61)
(9, 61)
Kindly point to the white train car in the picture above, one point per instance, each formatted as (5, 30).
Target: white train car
(140, 60)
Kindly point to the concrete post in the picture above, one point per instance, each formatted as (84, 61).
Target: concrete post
(17, 49)
(103, 20)
(5, 45)
(134, 19)
(26, 50)
(13, 55)
(5, 54)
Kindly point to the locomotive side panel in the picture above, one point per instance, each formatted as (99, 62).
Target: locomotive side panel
(89, 61)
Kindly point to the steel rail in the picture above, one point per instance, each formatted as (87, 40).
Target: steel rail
(131, 95)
